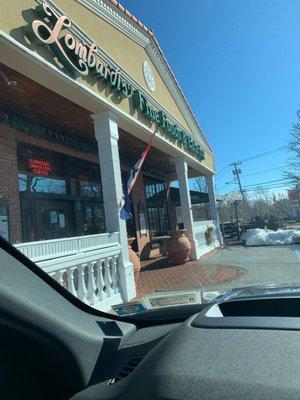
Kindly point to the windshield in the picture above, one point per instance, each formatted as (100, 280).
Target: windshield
(149, 152)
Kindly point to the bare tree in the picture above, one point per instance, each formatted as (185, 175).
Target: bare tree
(282, 207)
(245, 209)
(225, 212)
(263, 204)
(293, 164)
(30, 182)
(200, 184)
(200, 211)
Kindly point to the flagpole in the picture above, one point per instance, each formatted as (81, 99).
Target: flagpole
(141, 160)
(125, 212)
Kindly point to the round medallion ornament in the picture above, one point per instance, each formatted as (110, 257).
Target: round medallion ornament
(148, 75)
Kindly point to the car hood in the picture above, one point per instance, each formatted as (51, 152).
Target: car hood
(259, 291)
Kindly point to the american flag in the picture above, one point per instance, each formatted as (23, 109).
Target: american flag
(125, 212)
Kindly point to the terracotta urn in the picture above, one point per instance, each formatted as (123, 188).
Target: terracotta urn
(178, 246)
(134, 259)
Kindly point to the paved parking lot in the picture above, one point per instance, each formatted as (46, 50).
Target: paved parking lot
(229, 267)
(161, 275)
(263, 264)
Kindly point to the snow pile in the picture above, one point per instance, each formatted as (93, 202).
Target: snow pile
(267, 237)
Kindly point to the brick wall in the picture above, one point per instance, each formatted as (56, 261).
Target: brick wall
(9, 191)
(9, 188)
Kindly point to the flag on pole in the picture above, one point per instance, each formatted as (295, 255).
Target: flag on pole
(168, 184)
(125, 212)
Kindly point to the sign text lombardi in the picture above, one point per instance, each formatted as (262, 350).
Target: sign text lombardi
(82, 59)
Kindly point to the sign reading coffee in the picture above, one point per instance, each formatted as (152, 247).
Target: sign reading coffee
(39, 167)
(82, 59)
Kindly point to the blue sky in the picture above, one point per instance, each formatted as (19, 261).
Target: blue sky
(238, 62)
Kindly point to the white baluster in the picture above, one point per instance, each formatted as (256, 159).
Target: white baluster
(59, 276)
(99, 280)
(70, 277)
(52, 274)
(107, 277)
(82, 292)
(114, 274)
(91, 287)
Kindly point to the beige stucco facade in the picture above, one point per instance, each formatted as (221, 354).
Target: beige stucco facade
(38, 63)
(84, 87)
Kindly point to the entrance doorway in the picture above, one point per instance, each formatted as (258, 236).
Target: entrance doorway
(93, 220)
(54, 219)
(157, 207)
(64, 200)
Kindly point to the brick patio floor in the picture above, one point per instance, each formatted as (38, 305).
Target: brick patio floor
(160, 275)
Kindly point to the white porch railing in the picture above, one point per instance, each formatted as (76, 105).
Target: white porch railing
(86, 265)
(200, 228)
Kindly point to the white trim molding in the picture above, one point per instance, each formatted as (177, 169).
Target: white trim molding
(175, 91)
(166, 145)
(105, 10)
(106, 58)
(109, 13)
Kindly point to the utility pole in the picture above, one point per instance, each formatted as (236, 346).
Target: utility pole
(236, 172)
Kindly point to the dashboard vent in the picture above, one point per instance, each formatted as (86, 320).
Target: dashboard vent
(130, 366)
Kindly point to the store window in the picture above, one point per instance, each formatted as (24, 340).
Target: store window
(90, 189)
(33, 183)
(157, 208)
(153, 188)
(92, 218)
(4, 221)
(61, 196)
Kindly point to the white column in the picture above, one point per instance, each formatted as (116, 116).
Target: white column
(186, 205)
(213, 206)
(106, 132)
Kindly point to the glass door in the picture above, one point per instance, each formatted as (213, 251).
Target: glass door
(54, 219)
(93, 220)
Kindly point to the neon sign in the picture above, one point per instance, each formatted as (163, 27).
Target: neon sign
(39, 167)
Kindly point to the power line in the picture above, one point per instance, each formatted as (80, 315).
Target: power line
(224, 175)
(223, 170)
(231, 191)
(237, 171)
(266, 170)
(262, 154)
(265, 188)
(269, 187)
(261, 185)
(222, 187)
(258, 172)
(267, 182)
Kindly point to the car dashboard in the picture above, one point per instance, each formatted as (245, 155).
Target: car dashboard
(54, 347)
(241, 349)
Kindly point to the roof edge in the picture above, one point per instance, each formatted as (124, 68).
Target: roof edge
(116, 14)
(132, 17)
(154, 41)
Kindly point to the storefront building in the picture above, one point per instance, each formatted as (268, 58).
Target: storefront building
(84, 85)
